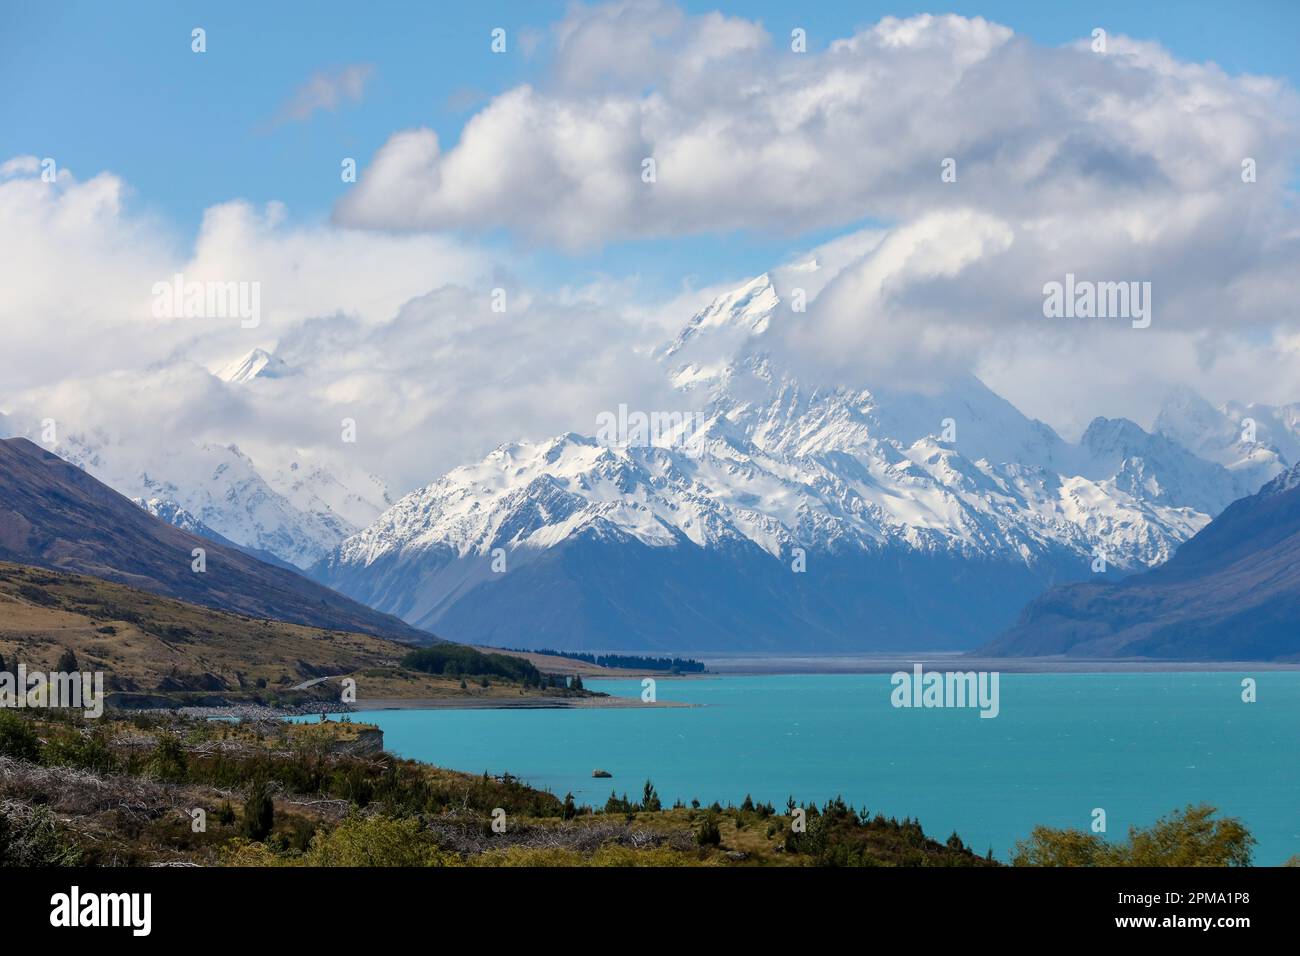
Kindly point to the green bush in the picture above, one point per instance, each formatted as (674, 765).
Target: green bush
(34, 840)
(1187, 837)
(709, 833)
(17, 738)
(259, 812)
(87, 751)
(168, 761)
(377, 841)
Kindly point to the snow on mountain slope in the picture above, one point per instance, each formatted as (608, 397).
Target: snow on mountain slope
(295, 507)
(1156, 468)
(358, 498)
(216, 485)
(873, 481)
(255, 364)
(1224, 435)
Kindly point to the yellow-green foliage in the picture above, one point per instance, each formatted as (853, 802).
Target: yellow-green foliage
(605, 856)
(1184, 838)
(377, 841)
(357, 841)
(241, 852)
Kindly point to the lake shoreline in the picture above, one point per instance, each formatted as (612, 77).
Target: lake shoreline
(503, 703)
(1139, 745)
(793, 665)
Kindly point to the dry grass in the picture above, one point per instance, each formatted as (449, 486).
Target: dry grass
(147, 643)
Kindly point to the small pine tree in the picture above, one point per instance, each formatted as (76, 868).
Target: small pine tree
(67, 662)
(259, 812)
(570, 808)
(650, 798)
(709, 833)
(168, 760)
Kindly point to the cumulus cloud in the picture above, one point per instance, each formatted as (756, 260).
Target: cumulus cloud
(82, 266)
(397, 332)
(1117, 166)
(748, 135)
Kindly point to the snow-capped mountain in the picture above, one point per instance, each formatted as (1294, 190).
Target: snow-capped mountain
(356, 497)
(1230, 593)
(1157, 469)
(258, 363)
(1255, 442)
(216, 487)
(794, 516)
(292, 509)
(169, 511)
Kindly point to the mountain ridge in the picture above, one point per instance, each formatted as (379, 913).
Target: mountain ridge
(849, 478)
(53, 514)
(1232, 592)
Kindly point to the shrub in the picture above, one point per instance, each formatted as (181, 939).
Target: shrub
(34, 840)
(17, 738)
(259, 812)
(708, 833)
(168, 761)
(87, 751)
(1187, 837)
(377, 841)
(650, 798)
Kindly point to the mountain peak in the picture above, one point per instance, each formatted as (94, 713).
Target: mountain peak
(257, 363)
(748, 309)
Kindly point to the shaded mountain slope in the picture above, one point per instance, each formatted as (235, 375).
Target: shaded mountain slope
(1232, 592)
(53, 514)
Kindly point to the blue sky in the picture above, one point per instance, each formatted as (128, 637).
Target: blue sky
(115, 87)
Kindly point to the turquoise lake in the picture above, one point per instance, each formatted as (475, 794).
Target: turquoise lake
(1137, 745)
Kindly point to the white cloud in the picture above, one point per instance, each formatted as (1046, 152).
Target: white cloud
(1122, 166)
(395, 331)
(748, 135)
(327, 90)
(81, 266)
(1117, 167)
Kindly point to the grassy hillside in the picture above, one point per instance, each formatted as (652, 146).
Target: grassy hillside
(145, 643)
